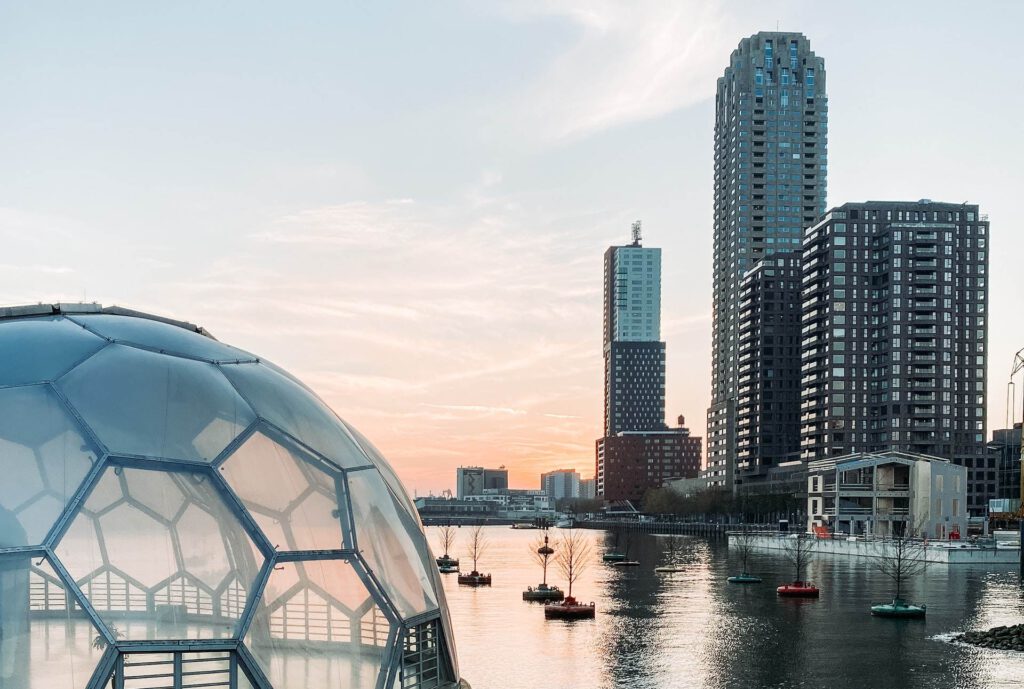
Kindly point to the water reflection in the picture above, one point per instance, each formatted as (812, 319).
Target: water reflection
(691, 629)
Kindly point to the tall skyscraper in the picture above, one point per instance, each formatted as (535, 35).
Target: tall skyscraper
(895, 325)
(634, 356)
(771, 124)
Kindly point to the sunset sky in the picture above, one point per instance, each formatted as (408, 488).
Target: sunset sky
(406, 204)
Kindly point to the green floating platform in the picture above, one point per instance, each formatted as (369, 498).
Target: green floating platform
(614, 557)
(899, 609)
(744, 579)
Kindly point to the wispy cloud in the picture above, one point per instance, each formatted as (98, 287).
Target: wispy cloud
(630, 61)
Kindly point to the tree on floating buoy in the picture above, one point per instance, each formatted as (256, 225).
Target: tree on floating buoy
(742, 543)
(799, 551)
(572, 556)
(542, 553)
(447, 539)
(901, 557)
(477, 545)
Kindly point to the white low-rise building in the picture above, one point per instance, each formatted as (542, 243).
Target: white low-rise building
(886, 494)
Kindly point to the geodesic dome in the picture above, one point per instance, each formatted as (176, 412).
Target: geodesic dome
(175, 512)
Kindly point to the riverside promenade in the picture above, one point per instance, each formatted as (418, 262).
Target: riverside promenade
(944, 552)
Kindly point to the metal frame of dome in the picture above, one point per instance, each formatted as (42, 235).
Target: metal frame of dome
(419, 645)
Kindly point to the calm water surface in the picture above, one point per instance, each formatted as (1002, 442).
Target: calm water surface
(691, 629)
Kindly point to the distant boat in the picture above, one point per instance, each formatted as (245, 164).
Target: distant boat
(524, 525)
(899, 609)
(613, 557)
(565, 523)
(626, 563)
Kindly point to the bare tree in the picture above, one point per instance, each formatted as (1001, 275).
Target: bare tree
(800, 551)
(447, 538)
(572, 555)
(742, 543)
(477, 545)
(900, 558)
(542, 554)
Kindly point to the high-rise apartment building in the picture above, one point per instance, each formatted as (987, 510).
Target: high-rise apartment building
(894, 333)
(634, 356)
(561, 483)
(768, 373)
(771, 124)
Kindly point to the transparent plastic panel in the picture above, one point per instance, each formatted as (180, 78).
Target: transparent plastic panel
(155, 572)
(43, 644)
(295, 410)
(394, 547)
(141, 403)
(317, 627)
(386, 470)
(290, 496)
(43, 459)
(40, 349)
(162, 337)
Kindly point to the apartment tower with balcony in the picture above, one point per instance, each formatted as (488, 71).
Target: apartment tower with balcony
(771, 125)
(894, 329)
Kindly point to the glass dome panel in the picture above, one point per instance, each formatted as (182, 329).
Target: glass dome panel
(141, 403)
(43, 460)
(151, 576)
(34, 350)
(296, 411)
(387, 540)
(294, 501)
(386, 471)
(164, 337)
(44, 645)
(317, 627)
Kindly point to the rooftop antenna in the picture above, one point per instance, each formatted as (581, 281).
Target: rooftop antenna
(636, 233)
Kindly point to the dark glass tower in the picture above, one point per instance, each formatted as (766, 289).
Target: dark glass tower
(771, 124)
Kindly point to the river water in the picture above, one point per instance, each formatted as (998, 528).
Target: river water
(692, 629)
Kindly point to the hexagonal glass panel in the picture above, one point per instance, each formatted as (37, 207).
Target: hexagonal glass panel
(141, 403)
(45, 645)
(165, 559)
(317, 626)
(288, 492)
(392, 545)
(34, 350)
(296, 411)
(43, 459)
(162, 337)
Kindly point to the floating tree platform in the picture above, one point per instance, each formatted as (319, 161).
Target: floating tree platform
(744, 578)
(543, 592)
(613, 557)
(899, 609)
(798, 589)
(569, 609)
(475, 578)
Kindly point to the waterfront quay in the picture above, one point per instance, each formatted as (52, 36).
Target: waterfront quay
(943, 552)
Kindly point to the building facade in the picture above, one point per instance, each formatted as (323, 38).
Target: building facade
(888, 494)
(561, 483)
(634, 356)
(475, 480)
(894, 333)
(588, 488)
(1004, 466)
(768, 376)
(771, 126)
(632, 462)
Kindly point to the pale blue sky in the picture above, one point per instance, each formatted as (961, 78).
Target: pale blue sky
(406, 203)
